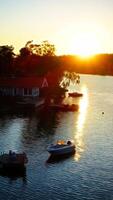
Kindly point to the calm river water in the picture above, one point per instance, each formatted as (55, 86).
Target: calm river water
(88, 175)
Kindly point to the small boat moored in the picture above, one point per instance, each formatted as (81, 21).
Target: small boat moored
(13, 160)
(75, 94)
(61, 148)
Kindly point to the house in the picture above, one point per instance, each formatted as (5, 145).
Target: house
(22, 86)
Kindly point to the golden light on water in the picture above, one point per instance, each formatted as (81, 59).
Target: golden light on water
(81, 122)
(83, 108)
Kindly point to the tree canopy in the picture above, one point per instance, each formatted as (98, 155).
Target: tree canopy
(40, 60)
(6, 59)
(43, 49)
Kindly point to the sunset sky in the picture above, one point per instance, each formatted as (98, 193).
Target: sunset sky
(75, 26)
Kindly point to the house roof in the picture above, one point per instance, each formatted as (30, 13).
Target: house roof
(26, 82)
(51, 79)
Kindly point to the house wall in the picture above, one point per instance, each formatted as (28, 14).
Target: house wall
(21, 92)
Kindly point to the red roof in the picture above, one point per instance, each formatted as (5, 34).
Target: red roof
(50, 79)
(26, 82)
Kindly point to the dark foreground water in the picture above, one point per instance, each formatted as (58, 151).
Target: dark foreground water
(88, 175)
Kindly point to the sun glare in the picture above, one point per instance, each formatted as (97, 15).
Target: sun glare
(84, 45)
(83, 41)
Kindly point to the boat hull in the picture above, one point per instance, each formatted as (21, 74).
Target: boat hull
(62, 151)
(57, 158)
(75, 94)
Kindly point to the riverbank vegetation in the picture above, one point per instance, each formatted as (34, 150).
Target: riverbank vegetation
(36, 60)
(40, 59)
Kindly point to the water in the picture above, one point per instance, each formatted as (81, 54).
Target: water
(87, 175)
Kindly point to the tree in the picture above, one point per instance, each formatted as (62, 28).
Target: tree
(69, 77)
(43, 49)
(6, 59)
(36, 58)
(47, 49)
(24, 52)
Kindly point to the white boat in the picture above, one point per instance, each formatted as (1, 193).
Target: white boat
(61, 148)
(13, 160)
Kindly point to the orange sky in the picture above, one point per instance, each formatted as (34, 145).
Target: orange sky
(81, 27)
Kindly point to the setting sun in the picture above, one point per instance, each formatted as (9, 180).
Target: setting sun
(84, 39)
(84, 45)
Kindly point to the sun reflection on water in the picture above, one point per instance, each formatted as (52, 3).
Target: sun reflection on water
(83, 103)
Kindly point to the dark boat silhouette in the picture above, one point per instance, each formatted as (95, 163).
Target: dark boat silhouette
(12, 161)
(75, 94)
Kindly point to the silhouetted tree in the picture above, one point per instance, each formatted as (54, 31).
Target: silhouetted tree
(37, 59)
(24, 52)
(6, 59)
(43, 49)
(69, 77)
